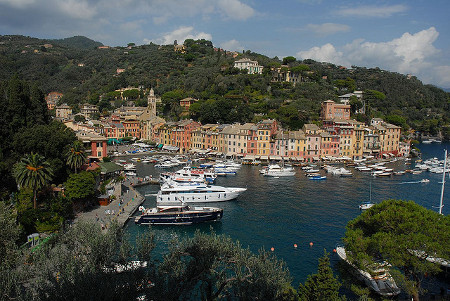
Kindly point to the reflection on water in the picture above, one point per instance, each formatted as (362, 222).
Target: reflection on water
(281, 212)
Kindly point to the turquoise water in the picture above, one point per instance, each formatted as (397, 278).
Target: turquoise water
(285, 211)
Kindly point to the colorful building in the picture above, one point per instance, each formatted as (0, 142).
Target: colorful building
(331, 110)
(63, 111)
(95, 142)
(182, 133)
(313, 142)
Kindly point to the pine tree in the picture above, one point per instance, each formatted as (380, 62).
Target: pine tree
(322, 286)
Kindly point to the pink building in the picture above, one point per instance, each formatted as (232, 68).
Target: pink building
(182, 133)
(331, 110)
(329, 145)
(313, 142)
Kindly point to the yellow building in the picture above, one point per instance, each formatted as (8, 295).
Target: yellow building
(297, 145)
(346, 140)
(357, 139)
(63, 111)
(389, 136)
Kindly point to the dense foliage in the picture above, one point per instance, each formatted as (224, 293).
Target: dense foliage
(84, 263)
(25, 127)
(322, 286)
(403, 234)
(83, 72)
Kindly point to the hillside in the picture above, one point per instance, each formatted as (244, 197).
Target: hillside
(78, 42)
(77, 68)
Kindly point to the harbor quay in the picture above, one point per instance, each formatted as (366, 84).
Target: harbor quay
(118, 210)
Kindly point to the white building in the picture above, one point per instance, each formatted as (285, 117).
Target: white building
(252, 66)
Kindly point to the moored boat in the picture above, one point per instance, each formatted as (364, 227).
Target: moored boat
(366, 205)
(201, 193)
(376, 277)
(178, 214)
(318, 177)
(276, 170)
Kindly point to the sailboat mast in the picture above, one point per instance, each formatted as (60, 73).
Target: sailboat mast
(441, 204)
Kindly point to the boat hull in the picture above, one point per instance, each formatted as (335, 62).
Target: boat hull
(185, 218)
(192, 196)
(383, 287)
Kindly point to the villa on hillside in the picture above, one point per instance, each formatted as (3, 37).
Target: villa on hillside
(252, 67)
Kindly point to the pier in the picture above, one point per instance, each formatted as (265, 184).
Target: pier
(119, 210)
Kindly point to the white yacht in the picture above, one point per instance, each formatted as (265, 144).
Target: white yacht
(276, 170)
(201, 193)
(376, 277)
(129, 166)
(188, 173)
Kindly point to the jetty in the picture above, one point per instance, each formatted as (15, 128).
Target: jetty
(119, 210)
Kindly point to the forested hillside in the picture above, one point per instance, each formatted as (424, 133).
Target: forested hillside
(83, 72)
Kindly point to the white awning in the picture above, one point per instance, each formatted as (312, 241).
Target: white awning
(264, 157)
(278, 158)
(249, 157)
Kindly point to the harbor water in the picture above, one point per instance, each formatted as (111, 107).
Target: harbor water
(280, 212)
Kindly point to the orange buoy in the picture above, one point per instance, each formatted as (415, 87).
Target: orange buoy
(311, 244)
(295, 245)
(272, 249)
(334, 250)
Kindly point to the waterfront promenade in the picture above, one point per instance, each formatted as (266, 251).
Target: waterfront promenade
(119, 210)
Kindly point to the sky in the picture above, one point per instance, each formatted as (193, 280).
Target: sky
(409, 37)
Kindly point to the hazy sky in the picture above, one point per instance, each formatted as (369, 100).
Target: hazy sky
(403, 36)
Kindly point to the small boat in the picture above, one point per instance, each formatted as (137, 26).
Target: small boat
(424, 181)
(178, 214)
(366, 205)
(276, 170)
(399, 173)
(376, 277)
(318, 178)
(346, 174)
(129, 166)
(384, 174)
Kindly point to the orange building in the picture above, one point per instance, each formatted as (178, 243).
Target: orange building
(182, 133)
(52, 99)
(331, 110)
(186, 103)
(132, 128)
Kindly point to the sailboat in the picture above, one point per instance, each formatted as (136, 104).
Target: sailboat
(441, 203)
(367, 204)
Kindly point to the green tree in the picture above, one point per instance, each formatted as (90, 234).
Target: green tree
(76, 156)
(376, 99)
(131, 94)
(79, 118)
(34, 172)
(11, 277)
(80, 186)
(289, 59)
(211, 267)
(80, 264)
(404, 234)
(322, 286)
(355, 103)
(51, 140)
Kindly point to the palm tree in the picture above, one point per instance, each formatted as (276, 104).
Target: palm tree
(34, 172)
(76, 156)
